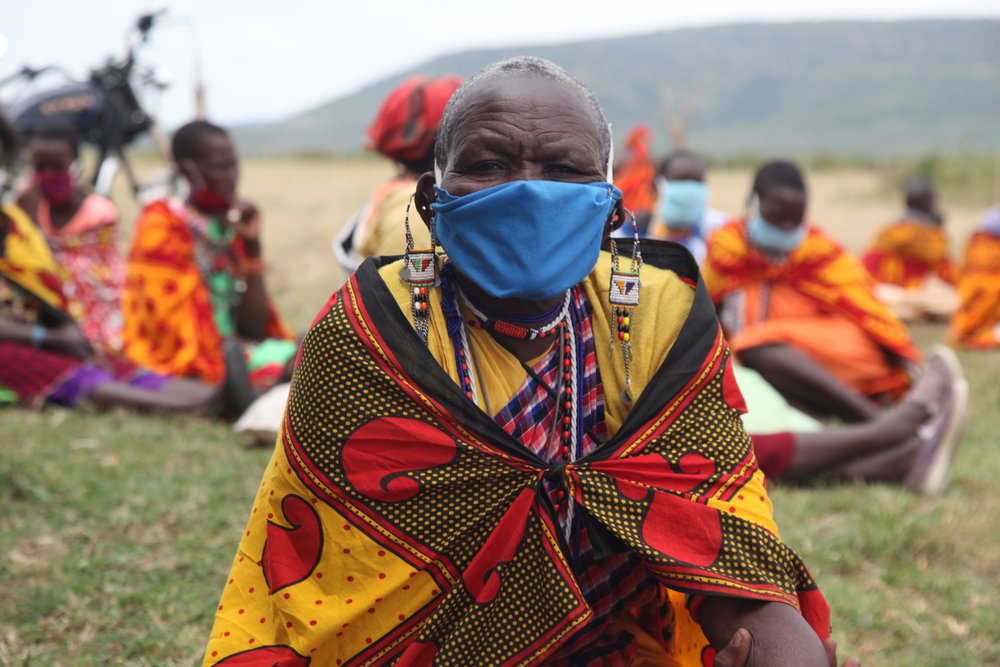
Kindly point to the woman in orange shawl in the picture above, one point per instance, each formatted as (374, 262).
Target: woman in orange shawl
(800, 310)
(976, 323)
(910, 259)
(196, 278)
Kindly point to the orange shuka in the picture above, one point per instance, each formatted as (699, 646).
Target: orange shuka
(834, 293)
(975, 322)
(908, 252)
(169, 323)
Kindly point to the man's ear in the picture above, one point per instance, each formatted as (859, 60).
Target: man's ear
(619, 215)
(424, 197)
(189, 170)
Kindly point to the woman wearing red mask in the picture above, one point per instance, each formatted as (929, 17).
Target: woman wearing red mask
(195, 302)
(82, 229)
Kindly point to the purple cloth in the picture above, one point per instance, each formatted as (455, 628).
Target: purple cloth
(88, 378)
(149, 380)
(80, 384)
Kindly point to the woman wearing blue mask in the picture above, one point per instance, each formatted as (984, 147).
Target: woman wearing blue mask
(502, 453)
(683, 215)
(801, 310)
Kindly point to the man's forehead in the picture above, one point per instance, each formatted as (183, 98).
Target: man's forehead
(535, 105)
(531, 91)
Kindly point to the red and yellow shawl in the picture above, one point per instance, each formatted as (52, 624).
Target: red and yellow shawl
(907, 252)
(820, 269)
(397, 523)
(27, 262)
(976, 321)
(167, 310)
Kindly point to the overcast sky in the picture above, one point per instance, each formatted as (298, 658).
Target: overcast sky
(264, 59)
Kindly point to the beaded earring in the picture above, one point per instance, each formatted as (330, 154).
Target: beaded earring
(419, 273)
(624, 298)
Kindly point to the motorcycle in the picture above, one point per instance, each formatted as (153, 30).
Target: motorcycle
(103, 110)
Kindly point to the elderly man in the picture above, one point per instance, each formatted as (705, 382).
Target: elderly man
(511, 456)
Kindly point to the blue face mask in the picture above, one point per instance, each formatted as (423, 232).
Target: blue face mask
(527, 239)
(683, 203)
(774, 240)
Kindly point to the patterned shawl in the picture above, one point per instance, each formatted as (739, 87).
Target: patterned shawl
(397, 523)
(167, 308)
(820, 269)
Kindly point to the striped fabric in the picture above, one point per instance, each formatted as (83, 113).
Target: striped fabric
(618, 581)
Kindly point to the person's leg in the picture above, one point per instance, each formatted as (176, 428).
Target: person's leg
(239, 394)
(820, 451)
(175, 395)
(888, 448)
(805, 383)
(886, 465)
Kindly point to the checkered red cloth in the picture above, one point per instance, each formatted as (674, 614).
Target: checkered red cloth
(618, 581)
(32, 373)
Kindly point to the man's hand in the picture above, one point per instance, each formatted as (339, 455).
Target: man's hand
(244, 217)
(738, 652)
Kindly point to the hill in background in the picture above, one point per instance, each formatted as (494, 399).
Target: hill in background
(859, 88)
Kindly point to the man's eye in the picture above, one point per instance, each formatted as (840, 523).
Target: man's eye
(564, 170)
(487, 165)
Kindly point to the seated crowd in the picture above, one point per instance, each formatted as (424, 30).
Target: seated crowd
(762, 313)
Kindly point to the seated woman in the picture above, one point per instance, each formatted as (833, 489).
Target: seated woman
(910, 261)
(976, 323)
(44, 355)
(82, 230)
(403, 131)
(800, 310)
(195, 302)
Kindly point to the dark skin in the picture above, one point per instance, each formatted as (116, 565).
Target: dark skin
(532, 131)
(67, 338)
(216, 167)
(52, 155)
(517, 128)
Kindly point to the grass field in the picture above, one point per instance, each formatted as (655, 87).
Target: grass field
(117, 530)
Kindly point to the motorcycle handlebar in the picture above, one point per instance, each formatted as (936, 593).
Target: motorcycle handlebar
(30, 74)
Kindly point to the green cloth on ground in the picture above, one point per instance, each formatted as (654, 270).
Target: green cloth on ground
(7, 397)
(768, 411)
(271, 351)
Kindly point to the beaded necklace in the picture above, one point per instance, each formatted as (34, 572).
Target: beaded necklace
(516, 330)
(566, 394)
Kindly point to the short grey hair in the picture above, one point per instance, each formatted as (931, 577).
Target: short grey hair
(525, 66)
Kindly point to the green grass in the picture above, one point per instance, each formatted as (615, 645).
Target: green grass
(116, 534)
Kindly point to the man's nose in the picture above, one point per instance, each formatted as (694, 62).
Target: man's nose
(528, 171)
